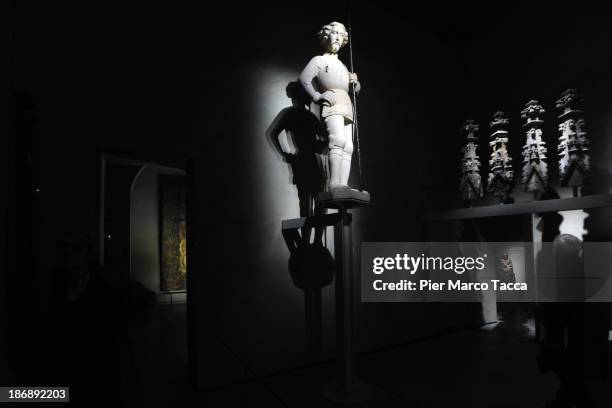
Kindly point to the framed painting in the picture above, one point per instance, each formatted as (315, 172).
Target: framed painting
(173, 236)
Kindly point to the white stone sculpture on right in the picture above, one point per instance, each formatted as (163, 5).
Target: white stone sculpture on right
(535, 168)
(573, 148)
(471, 183)
(501, 175)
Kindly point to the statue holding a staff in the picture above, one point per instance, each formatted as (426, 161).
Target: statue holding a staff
(328, 82)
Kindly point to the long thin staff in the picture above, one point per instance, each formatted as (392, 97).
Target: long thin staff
(354, 94)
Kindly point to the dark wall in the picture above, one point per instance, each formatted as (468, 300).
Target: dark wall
(533, 51)
(168, 82)
(5, 107)
(537, 54)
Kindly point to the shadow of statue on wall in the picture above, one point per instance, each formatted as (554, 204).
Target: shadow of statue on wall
(299, 139)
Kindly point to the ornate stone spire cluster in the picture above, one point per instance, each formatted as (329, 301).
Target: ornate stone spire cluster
(471, 184)
(573, 151)
(535, 169)
(500, 182)
(573, 148)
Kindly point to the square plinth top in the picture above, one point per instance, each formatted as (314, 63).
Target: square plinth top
(344, 199)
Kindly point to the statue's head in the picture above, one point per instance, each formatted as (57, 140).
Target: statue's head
(333, 36)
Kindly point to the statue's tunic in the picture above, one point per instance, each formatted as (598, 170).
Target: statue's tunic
(327, 73)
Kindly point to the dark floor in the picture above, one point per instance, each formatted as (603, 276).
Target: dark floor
(469, 368)
(485, 367)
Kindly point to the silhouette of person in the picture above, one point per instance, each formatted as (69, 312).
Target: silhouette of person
(84, 337)
(563, 348)
(575, 341)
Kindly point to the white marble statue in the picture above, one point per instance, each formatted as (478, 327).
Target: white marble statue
(327, 80)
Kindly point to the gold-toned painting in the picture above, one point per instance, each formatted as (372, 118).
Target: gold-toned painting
(173, 239)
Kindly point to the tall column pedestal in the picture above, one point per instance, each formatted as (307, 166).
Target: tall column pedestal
(345, 388)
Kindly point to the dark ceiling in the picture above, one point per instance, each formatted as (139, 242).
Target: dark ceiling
(458, 21)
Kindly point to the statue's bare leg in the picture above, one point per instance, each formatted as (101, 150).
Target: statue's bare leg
(347, 154)
(337, 143)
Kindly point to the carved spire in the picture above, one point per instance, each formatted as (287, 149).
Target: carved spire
(535, 169)
(471, 184)
(573, 148)
(501, 175)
